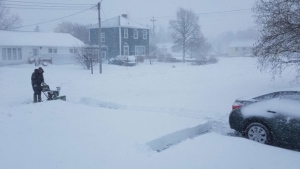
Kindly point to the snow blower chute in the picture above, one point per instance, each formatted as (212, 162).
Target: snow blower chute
(52, 94)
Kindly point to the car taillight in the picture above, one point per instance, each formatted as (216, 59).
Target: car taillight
(236, 105)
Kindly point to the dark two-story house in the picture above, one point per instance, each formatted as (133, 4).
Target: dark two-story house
(121, 36)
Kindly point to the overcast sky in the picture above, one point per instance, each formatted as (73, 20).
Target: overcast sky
(216, 16)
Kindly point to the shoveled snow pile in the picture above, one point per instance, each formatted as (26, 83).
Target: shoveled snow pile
(166, 115)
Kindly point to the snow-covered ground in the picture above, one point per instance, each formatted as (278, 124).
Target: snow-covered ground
(128, 116)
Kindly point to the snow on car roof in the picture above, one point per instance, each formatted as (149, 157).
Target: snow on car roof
(283, 106)
(253, 96)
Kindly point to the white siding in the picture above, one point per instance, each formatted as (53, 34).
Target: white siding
(63, 55)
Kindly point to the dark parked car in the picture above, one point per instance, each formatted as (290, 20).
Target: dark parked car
(272, 118)
(123, 60)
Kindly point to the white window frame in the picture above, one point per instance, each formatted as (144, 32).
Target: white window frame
(102, 37)
(52, 50)
(125, 33)
(73, 50)
(135, 34)
(4, 54)
(9, 54)
(140, 51)
(145, 34)
(20, 54)
(12, 54)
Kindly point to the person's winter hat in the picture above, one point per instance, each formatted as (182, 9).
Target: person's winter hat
(41, 70)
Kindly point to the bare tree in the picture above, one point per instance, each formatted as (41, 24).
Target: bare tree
(8, 21)
(77, 30)
(279, 26)
(87, 56)
(185, 30)
(201, 49)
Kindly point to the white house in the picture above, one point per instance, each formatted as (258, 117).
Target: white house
(19, 47)
(241, 48)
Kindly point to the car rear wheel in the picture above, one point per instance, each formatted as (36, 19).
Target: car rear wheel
(258, 132)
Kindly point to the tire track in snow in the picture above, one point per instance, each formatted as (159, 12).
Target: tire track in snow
(215, 122)
(219, 122)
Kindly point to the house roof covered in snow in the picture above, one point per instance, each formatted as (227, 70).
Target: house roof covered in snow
(119, 21)
(13, 38)
(246, 43)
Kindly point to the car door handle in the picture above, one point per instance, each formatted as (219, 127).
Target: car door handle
(269, 111)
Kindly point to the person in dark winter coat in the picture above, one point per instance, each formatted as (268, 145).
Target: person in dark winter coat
(37, 79)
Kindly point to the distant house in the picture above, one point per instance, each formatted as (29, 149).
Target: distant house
(121, 36)
(164, 48)
(21, 47)
(241, 48)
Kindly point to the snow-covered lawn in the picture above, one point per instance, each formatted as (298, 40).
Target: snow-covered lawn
(117, 119)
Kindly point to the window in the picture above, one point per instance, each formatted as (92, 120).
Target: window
(135, 34)
(126, 50)
(4, 54)
(145, 34)
(11, 54)
(52, 50)
(102, 37)
(295, 96)
(73, 50)
(125, 33)
(19, 53)
(140, 51)
(14, 53)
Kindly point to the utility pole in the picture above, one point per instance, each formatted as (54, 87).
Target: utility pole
(99, 38)
(153, 20)
(150, 57)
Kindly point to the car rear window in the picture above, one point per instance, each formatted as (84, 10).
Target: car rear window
(291, 97)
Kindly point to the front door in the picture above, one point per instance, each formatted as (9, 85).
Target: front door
(35, 52)
(126, 50)
(103, 54)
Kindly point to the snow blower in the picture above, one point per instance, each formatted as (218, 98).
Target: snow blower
(52, 94)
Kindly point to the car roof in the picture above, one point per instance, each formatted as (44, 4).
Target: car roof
(270, 95)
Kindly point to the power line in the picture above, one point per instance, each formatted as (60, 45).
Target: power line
(35, 2)
(38, 5)
(94, 7)
(153, 20)
(41, 8)
(54, 19)
(204, 13)
(43, 5)
(105, 16)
